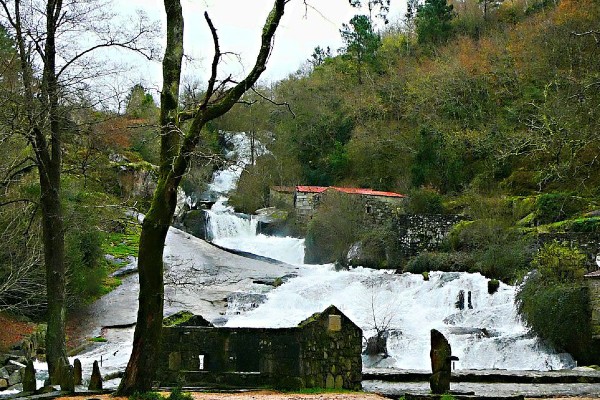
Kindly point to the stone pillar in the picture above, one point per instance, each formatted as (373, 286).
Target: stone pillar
(29, 383)
(96, 379)
(441, 363)
(66, 376)
(77, 374)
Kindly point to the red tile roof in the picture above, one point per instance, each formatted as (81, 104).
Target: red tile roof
(311, 189)
(368, 192)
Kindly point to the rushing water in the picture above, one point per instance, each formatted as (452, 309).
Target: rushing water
(237, 231)
(485, 331)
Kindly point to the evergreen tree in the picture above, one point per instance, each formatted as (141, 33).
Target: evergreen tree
(433, 21)
(361, 42)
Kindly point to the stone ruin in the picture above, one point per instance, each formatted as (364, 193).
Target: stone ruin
(322, 351)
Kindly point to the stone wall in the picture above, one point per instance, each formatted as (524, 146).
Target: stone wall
(594, 296)
(421, 232)
(323, 351)
(281, 197)
(331, 347)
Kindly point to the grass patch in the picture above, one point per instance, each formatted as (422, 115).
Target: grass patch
(97, 339)
(123, 244)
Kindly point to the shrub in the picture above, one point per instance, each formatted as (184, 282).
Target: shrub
(554, 207)
(559, 314)
(86, 269)
(447, 262)
(557, 263)
(591, 224)
(554, 302)
(334, 227)
(425, 201)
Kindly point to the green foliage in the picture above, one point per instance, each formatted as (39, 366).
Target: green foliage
(557, 263)
(336, 225)
(497, 251)
(553, 207)
(177, 318)
(425, 201)
(554, 301)
(178, 394)
(588, 225)
(124, 243)
(435, 261)
(557, 313)
(147, 396)
(98, 339)
(361, 43)
(433, 21)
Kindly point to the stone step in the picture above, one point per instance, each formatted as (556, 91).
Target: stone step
(490, 376)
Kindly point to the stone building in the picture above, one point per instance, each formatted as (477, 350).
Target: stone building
(376, 204)
(322, 351)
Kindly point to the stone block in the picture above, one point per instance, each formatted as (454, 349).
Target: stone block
(14, 378)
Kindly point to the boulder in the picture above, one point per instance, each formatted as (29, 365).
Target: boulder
(4, 374)
(14, 378)
(194, 222)
(96, 379)
(3, 384)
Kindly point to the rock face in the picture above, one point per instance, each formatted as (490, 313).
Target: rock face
(193, 222)
(96, 379)
(441, 360)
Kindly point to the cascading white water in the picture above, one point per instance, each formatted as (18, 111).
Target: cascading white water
(232, 230)
(222, 222)
(486, 333)
(489, 335)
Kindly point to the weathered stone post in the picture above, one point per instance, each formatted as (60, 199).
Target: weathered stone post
(96, 379)
(66, 376)
(441, 363)
(77, 373)
(29, 383)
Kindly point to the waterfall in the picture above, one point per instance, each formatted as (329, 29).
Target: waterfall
(488, 335)
(237, 231)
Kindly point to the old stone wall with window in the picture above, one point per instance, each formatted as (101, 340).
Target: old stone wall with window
(322, 351)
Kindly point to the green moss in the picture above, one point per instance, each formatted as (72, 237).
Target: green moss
(97, 339)
(425, 275)
(177, 319)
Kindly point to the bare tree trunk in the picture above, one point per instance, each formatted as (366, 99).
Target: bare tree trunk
(175, 158)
